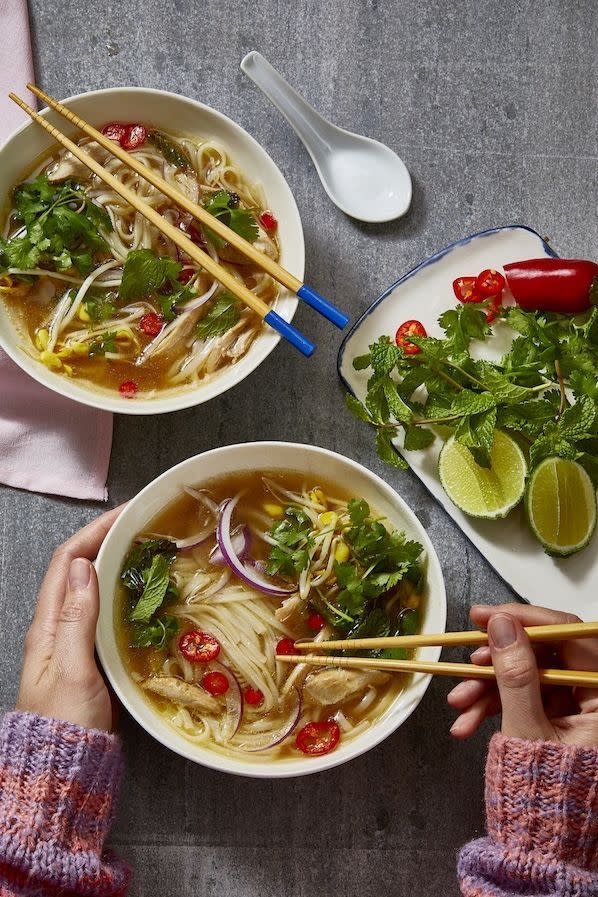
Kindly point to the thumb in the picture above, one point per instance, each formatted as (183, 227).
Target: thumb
(517, 679)
(75, 630)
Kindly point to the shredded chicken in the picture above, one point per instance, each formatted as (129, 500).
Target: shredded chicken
(184, 693)
(188, 185)
(68, 166)
(332, 686)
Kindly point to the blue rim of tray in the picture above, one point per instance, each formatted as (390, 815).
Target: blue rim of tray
(430, 261)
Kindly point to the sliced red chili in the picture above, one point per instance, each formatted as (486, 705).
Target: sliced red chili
(464, 289)
(216, 683)
(318, 738)
(490, 315)
(114, 130)
(134, 137)
(128, 389)
(489, 283)
(407, 329)
(268, 221)
(199, 647)
(253, 696)
(151, 323)
(316, 622)
(286, 646)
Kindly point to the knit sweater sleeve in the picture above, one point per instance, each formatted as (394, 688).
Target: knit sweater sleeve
(58, 784)
(542, 822)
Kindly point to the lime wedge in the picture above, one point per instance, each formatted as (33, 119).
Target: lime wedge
(489, 492)
(560, 501)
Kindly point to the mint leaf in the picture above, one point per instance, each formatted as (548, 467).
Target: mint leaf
(397, 407)
(469, 402)
(356, 408)
(221, 316)
(476, 431)
(386, 451)
(418, 438)
(361, 362)
(155, 586)
(578, 420)
(384, 356)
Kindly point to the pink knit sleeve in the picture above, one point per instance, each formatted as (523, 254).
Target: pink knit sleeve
(58, 784)
(542, 820)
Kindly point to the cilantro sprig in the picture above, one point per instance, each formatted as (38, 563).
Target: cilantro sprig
(63, 228)
(544, 389)
(225, 206)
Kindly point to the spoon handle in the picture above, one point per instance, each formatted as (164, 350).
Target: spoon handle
(308, 124)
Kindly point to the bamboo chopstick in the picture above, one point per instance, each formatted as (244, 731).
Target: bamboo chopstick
(318, 302)
(290, 333)
(442, 668)
(553, 632)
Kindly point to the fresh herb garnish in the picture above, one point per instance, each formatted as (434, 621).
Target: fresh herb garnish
(100, 308)
(293, 537)
(225, 206)
(63, 228)
(156, 634)
(147, 274)
(222, 315)
(106, 342)
(174, 154)
(528, 392)
(146, 575)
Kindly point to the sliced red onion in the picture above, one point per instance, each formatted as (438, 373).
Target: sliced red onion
(203, 498)
(234, 699)
(242, 569)
(262, 742)
(241, 542)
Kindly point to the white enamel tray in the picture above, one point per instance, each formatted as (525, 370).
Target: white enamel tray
(424, 293)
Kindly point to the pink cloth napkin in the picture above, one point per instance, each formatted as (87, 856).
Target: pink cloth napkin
(47, 443)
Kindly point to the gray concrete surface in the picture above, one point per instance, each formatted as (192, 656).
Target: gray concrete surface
(492, 105)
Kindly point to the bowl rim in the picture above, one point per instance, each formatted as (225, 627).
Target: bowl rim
(273, 769)
(186, 398)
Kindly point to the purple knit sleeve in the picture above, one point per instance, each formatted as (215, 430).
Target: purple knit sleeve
(58, 784)
(542, 820)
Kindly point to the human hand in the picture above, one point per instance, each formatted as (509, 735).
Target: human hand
(60, 678)
(529, 711)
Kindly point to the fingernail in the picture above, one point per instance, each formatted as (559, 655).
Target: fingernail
(79, 573)
(455, 727)
(461, 688)
(478, 654)
(501, 631)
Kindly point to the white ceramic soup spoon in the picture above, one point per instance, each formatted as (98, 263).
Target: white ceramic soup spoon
(363, 177)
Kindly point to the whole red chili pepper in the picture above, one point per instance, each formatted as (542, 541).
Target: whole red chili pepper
(550, 284)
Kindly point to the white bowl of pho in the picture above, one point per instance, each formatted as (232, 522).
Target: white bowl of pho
(94, 302)
(213, 571)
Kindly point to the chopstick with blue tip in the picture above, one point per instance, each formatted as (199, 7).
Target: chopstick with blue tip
(263, 261)
(261, 308)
